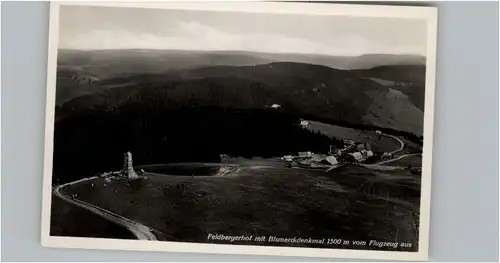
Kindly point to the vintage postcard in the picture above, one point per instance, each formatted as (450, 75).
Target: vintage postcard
(296, 129)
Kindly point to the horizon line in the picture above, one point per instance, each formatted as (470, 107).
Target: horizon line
(243, 51)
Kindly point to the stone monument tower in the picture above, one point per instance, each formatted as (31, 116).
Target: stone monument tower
(128, 168)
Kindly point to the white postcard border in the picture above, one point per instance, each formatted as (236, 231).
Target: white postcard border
(426, 13)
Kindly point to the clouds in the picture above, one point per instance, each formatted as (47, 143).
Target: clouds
(192, 35)
(190, 31)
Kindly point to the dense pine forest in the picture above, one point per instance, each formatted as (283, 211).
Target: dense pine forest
(181, 135)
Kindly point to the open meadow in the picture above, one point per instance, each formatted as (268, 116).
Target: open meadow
(379, 143)
(352, 203)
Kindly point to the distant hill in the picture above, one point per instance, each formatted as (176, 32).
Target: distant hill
(409, 79)
(113, 64)
(108, 64)
(305, 89)
(136, 61)
(369, 61)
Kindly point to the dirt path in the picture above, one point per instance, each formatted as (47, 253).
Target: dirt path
(142, 232)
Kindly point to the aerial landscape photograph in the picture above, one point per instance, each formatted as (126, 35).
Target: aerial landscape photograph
(240, 128)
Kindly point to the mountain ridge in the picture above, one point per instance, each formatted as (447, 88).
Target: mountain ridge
(183, 59)
(299, 87)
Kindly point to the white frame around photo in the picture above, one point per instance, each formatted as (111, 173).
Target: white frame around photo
(428, 14)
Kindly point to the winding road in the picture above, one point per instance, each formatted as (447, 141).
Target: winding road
(399, 158)
(396, 151)
(141, 231)
(400, 142)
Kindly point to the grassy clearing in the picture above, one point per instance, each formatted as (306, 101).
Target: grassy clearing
(379, 143)
(352, 203)
(411, 147)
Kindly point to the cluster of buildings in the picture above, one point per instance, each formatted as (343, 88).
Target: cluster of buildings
(311, 160)
(351, 153)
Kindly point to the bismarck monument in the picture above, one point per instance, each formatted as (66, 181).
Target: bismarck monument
(128, 169)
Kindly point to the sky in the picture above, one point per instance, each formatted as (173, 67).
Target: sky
(85, 27)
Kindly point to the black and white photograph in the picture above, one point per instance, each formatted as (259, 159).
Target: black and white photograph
(300, 129)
